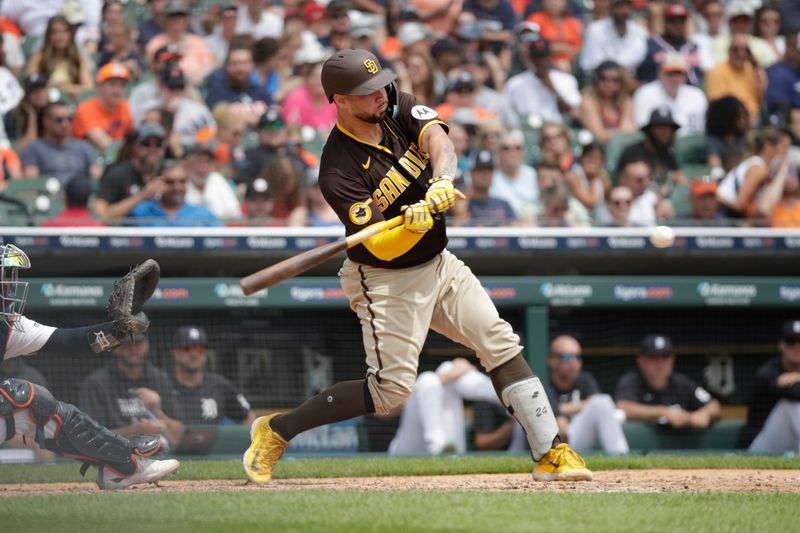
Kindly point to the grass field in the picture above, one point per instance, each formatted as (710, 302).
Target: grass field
(337, 510)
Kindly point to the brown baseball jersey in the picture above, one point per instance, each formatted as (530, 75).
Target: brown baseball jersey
(366, 183)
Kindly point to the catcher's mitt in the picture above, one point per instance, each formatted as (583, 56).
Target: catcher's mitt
(129, 295)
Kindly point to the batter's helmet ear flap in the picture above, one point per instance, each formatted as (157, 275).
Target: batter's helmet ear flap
(391, 94)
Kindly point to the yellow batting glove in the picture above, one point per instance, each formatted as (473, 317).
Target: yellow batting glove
(441, 194)
(418, 217)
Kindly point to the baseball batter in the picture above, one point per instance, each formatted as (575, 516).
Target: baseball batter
(31, 411)
(388, 155)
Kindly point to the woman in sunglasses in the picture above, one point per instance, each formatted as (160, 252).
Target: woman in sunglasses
(607, 108)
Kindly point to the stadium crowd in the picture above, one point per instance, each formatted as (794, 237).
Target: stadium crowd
(201, 113)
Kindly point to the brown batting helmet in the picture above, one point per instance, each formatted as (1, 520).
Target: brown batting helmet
(354, 72)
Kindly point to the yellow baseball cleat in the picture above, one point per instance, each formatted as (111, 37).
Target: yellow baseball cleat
(561, 464)
(266, 447)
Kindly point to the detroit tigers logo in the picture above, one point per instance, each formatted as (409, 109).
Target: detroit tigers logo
(101, 340)
(208, 408)
(360, 213)
(371, 66)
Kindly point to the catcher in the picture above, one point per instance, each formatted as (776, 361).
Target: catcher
(31, 410)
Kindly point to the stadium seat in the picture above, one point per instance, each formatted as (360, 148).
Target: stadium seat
(695, 170)
(532, 149)
(28, 190)
(680, 200)
(616, 146)
(691, 149)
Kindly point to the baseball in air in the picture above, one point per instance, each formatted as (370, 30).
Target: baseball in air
(662, 237)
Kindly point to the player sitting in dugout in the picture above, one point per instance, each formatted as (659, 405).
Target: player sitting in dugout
(654, 393)
(31, 411)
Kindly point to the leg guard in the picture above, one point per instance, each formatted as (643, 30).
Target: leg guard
(527, 402)
(73, 433)
(15, 395)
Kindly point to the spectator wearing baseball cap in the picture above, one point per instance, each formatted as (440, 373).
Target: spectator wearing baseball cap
(703, 204)
(105, 118)
(127, 183)
(483, 208)
(541, 89)
(658, 148)
(192, 121)
(674, 39)
(687, 103)
(655, 393)
(774, 409)
(197, 61)
(204, 397)
(273, 140)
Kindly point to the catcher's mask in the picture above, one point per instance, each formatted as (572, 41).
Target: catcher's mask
(357, 72)
(13, 293)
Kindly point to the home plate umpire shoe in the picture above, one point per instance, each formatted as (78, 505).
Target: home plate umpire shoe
(561, 464)
(266, 447)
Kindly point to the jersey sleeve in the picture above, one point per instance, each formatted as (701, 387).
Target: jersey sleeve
(350, 198)
(27, 337)
(416, 117)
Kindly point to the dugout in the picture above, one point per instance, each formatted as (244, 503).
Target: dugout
(721, 294)
(285, 344)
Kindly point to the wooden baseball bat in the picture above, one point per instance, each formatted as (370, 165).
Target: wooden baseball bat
(310, 258)
(299, 263)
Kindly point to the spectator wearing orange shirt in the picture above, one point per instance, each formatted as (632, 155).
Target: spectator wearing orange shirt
(787, 213)
(562, 30)
(106, 117)
(739, 76)
(10, 166)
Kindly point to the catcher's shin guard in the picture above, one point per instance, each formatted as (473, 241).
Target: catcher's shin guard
(74, 433)
(527, 402)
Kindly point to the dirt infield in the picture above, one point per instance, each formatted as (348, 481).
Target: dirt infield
(641, 481)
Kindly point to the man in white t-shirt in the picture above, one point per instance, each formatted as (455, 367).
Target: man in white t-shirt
(513, 180)
(208, 187)
(686, 103)
(647, 207)
(616, 38)
(257, 21)
(541, 89)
